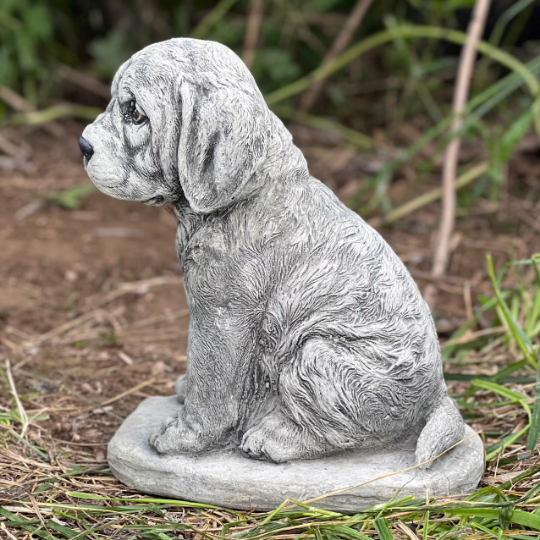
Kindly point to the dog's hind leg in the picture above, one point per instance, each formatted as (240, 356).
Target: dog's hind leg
(317, 412)
(277, 438)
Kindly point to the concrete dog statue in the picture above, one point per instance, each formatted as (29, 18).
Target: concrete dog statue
(307, 334)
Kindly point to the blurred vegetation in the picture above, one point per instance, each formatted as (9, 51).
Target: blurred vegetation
(399, 67)
(37, 35)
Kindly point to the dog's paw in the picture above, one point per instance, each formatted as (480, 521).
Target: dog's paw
(166, 440)
(161, 430)
(174, 437)
(253, 444)
(278, 439)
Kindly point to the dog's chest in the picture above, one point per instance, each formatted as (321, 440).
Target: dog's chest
(223, 268)
(207, 247)
(206, 260)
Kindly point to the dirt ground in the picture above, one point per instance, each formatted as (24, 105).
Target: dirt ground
(91, 301)
(93, 316)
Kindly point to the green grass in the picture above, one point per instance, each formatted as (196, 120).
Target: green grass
(499, 512)
(56, 501)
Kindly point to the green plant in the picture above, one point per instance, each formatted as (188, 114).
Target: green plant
(72, 198)
(518, 310)
(26, 30)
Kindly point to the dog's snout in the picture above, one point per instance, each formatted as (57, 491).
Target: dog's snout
(86, 148)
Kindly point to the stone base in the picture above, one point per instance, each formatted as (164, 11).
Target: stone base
(228, 479)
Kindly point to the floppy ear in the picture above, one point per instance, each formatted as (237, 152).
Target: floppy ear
(223, 140)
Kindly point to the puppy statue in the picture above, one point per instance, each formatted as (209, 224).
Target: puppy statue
(307, 334)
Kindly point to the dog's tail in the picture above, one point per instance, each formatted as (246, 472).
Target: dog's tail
(444, 428)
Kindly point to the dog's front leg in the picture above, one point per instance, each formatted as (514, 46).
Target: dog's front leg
(219, 353)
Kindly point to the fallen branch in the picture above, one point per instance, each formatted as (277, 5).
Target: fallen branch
(465, 74)
(11, 149)
(86, 81)
(133, 287)
(256, 8)
(340, 43)
(14, 100)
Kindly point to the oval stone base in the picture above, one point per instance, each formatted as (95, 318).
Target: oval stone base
(231, 480)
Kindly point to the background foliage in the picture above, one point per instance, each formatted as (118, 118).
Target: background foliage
(408, 78)
(387, 102)
(36, 35)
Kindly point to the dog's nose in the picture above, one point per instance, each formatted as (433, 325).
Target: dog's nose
(86, 148)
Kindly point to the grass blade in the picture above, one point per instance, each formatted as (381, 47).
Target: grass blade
(511, 395)
(534, 430)
(383, 529)
(405, 32)
(218, 12)
(426, 523)
(517, 332)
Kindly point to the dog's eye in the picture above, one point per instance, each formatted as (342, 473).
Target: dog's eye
(131, 113)
(138, 117)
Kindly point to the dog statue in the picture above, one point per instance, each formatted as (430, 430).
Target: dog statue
(307, 334)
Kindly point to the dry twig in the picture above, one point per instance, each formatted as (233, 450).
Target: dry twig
(339, 45)
(465, 73)
(422, 200)
(256, 8)
(11, 149)
(85, 80)
(19, 104)
(23, 417)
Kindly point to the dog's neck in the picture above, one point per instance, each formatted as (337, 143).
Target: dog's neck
(284, 160)
(187, 223)
(284, 163)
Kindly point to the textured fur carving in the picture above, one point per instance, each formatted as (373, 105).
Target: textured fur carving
(307, 334)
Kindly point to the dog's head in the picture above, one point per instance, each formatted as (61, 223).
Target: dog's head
(186, 119)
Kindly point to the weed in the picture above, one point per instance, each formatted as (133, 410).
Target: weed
(72, 198)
